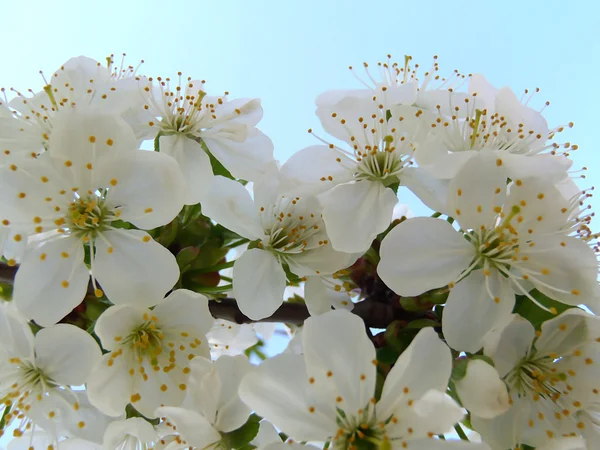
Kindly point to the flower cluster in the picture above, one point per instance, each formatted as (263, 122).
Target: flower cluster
(146, 229)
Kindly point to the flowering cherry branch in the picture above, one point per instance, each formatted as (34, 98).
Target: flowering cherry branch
(149, 241)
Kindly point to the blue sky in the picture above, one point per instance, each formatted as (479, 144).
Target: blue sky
(287, 52)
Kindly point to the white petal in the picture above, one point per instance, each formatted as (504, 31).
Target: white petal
(110, 387)
(316, 296)
(136, 272)
(259, 283)
(248, 159)
(563, 334)
(39, 290)
(368, 203)
(525, 166)
(194, 428)
(83, 137)
(421, 254)
(15, 333)
(509, 345)
(475, 306)
(447, 166)
(182, 308)
(412, 376)
(194, 164)
(233, 413)
(278, 391)
(479, 187)
(344, 366)
(432, 191)
(149, 187)
(229, 204)
(570, 268)
(118, 322)
(118, 431)
(309, 169)
(66, 354)
(482, 391)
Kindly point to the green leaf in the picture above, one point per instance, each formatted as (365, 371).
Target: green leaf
(533, 313)
(240, 438)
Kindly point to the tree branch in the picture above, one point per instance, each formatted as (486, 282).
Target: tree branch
(375, 314)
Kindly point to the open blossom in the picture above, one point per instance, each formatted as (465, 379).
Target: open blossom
(550, 376)
(508, 244)
(328, 393)
(289, 230)
(186, 118)
(68, 199)
(80, 83)
(212, 405)
(356, 182)
(36, 374)
(497, 121)
(149, 353)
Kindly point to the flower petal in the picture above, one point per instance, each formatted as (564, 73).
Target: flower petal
(369, 203)
(137, 271)
(421, 254)
(66, 354)
(194, 428)
(344, 367)
(477, 189)
(194, 164)
(183, 308)
(229, 204)
(259, 283)
(307, 171)
(248, 159)
(278, 391)
(51, 281)
(149, 187)
(412, 376)
(482, 391)
(475, 306)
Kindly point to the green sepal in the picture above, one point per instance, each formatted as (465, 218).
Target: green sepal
(130, 412)
(240, 439)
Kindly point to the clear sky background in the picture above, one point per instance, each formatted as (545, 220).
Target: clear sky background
(287, 52)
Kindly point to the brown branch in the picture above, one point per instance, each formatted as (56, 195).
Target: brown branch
(374, 314)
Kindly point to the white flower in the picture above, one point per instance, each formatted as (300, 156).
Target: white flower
(509, 243)
(91, 176)
(550, 376)
(36, 374)
(230, 338)
(492, 120)
(149, 353)
(328, 394)
(184, 117)
(81, 84)
(357, 199)
(212, 405)
(290, 231)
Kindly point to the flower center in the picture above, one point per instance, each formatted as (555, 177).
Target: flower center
(378, 164)
(146, 340)
(291, 229)
(536, 377)
(360, 432)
